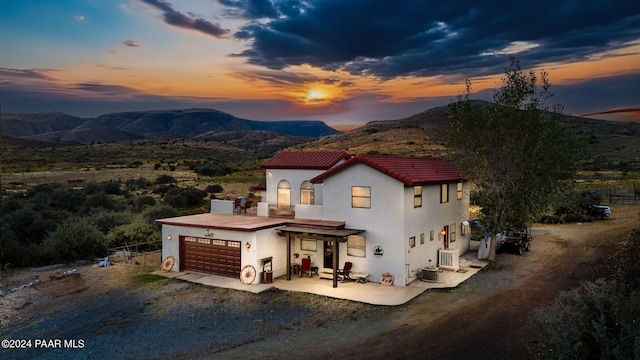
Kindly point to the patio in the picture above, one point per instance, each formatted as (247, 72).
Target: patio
(370, 292)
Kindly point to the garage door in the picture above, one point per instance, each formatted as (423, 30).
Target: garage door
(212, 256)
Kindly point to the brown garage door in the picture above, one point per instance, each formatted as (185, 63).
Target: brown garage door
(212, 256)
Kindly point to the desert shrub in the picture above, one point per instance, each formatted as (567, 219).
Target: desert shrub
(213, 170)
(111, 187)
(137, 232)
(595, 321)
(144, 201)
(76, 239)
(28, 226)
(184, 197)
(165, 179)
(17, 254)
(107, 220)
(151, 214)
(103, 201)
(163, 190)
(139, 183)
(215, 188)
(70, 200)
(92, 188)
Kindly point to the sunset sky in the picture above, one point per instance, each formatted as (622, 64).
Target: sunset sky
(344, 62)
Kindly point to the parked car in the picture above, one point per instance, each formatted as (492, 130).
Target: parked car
(516, 241)
(599, 211)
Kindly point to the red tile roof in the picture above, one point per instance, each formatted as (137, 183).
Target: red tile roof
(261, 187)
(314, 160)
(410, 171)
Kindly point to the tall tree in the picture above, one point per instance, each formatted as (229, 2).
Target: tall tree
(517, 151)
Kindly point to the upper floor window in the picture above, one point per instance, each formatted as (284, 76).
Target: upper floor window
(284, 194)
(444, 193)
(417, 196)
(306, 193)
(459, 190)
(361, 197)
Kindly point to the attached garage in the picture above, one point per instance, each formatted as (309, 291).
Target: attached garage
(211, 256)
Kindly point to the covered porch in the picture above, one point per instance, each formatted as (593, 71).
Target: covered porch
(331, 236)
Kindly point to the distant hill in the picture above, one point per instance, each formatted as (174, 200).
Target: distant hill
(611, 144)
(134, 125)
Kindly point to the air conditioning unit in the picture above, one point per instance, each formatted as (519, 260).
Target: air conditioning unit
(430, 274)
(449, 259)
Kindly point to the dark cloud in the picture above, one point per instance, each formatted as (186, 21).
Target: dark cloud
(189, 22)
(37, 74)
(390, 38)
(251, 9)
(105, 89)
(130, 43)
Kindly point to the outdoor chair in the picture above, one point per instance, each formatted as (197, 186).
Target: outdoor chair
(305, 266)
(346, 271)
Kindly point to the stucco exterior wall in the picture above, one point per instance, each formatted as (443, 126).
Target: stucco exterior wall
(295, 179)
(382, 222)
(263, 244)
(429, 219)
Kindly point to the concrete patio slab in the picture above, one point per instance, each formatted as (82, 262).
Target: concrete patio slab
(370, 292)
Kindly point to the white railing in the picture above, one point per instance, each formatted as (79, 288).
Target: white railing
(449, 259)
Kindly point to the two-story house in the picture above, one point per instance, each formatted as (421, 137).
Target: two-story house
(385, 215)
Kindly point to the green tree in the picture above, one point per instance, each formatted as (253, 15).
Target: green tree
(517, 151)
(76, 239)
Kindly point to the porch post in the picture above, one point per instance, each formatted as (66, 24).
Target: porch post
(288, 259)
(335, 262)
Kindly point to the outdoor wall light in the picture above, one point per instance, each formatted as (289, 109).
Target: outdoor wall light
(169, 237)
(248, 246)
(442, 232)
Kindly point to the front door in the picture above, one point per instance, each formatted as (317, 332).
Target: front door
(328, 254)
(446, 237)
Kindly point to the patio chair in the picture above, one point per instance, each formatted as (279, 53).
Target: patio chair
(346, 271)
(305, 266)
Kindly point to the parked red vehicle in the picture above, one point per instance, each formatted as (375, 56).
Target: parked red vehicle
(517, 241)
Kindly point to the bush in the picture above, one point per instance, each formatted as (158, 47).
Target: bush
(70, 200)
(150, 215)
(144, 201)
(135, 233)
(76, 239)
(165, 179)
(596, 321)
(185, 197)
(107, 220)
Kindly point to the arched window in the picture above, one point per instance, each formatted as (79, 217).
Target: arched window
(306, 193)
(284, 194)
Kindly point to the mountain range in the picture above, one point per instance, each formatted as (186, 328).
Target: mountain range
(135, 125)
(611, 144)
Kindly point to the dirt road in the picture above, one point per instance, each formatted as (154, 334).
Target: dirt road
(122, 312)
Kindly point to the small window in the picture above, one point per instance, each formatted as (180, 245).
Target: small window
(417, 196)
(412, 242)
(356, 245)
(452, 232)
(444, 193)
(459, 190)
(465, 228)
(308, 245)
(431, 235)
(307, 193)
(422, 239)
(361, 197)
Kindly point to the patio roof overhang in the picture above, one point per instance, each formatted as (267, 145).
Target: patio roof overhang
(319, 233)
(324, 234)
